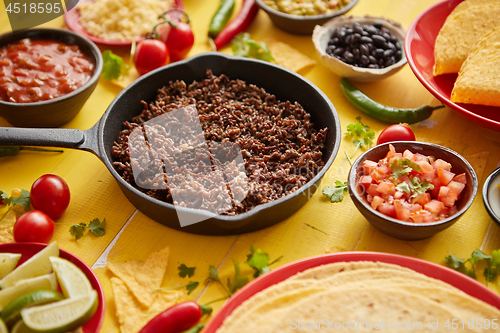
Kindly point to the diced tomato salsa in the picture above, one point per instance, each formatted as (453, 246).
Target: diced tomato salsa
(39, 70)
(412, 187)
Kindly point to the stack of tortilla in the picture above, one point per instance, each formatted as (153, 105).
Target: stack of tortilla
(467, 37)
(360, 296)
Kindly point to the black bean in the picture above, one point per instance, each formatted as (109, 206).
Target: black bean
(372, 66)
(391, 46)
(378, 40)
(338, 51)
(386, 36)
(348, 56)
(364, 50)
(356, 37)
(355, 53)
(330, 49)
(364, 60)
(371, 29)
(378, 53)
(357, 28)
(378, 25)
(388, 53)
(348, 39)
(389, 62)
(366, 40)
(372, 59)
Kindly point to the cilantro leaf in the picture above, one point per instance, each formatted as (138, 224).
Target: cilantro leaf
(459, 265)
(238, 279)
(23, 199)
(420, 187)
(478, 255)
(357, 129)
(97, 227)
(335, 193)
(244, 46)
(3, 197)
(403, 166)
(191, 286)
(76, 230)
(113, 66)
(495, 258)
(259, 261)
(212, 274)
(363, 132)
(185, 271)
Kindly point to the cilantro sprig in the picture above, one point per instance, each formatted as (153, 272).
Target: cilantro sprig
(113, 66)
(95, 226)
(335, 193)
(365, 134)
(468, 266)
(11, 201)
(403, 166)
(257, 259)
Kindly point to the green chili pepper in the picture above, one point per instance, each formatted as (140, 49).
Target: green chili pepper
(14, 150)
(195, 329)
(220, 17)
(382, 112)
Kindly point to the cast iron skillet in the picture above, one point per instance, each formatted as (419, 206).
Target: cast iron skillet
(285, 84)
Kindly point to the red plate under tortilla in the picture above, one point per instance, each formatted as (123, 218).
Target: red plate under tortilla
(419, 49)
(27, 250)
(459, 280)
(72, 20)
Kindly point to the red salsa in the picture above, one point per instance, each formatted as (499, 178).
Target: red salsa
(412, 187)
(39, 70)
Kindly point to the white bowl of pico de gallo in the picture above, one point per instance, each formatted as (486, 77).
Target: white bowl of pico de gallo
(412, 190)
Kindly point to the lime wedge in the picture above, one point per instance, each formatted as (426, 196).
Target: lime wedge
(12, 312)
(72, 280)
(44, 282)
(20, 327)
(37, 265)
(8, 261)
(3, 327)
(61, 316)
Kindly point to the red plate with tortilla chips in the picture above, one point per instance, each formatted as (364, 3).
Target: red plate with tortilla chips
(454, 278)
(72, 20)
(29, 249)
(419, 49)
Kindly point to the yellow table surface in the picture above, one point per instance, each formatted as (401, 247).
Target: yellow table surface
(317, 228)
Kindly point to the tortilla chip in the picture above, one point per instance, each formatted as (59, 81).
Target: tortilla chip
(131, 314)
(125, 80)
(477, 81)
(288, 57)
(143, 277)
(464, 5)
(460, 33)
(6, 226)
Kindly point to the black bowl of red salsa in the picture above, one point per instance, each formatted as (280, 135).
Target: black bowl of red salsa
(46, 76)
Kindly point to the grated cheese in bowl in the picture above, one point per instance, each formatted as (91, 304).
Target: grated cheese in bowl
(121, 19)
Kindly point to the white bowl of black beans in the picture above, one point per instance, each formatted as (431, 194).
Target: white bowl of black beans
(362, 49)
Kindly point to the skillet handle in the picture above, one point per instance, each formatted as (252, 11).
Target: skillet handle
(48, 137)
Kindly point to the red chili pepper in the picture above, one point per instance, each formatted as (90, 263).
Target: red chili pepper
(177, 318)
(245, 17)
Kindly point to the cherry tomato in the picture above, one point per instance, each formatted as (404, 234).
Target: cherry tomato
(34, 226)
(178, 36)
(398, 132)
(50, 194)
(150, 54)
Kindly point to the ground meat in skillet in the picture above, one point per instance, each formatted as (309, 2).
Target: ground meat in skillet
(279, 150)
